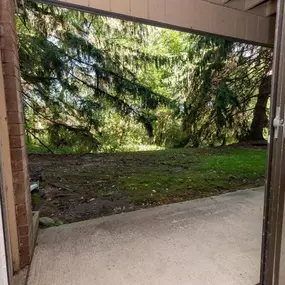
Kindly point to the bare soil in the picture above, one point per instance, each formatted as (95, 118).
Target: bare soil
(81, 187)
(69, 194)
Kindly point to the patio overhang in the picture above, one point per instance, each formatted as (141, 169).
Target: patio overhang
(243, 20)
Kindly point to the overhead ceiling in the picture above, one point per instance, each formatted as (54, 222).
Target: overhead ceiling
(243, 20)
(259, 7)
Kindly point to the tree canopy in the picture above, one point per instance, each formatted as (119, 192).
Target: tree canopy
(92, 83)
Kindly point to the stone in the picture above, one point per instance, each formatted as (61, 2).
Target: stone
(46, 221)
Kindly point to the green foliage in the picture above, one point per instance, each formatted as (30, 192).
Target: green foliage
(73, 73)
(225, 82)
(94, 84)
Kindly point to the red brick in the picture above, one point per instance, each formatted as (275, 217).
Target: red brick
(20, 194)
(24, 249)
(23, 230)
(10, 56)
(22, 220)
(18, 165)
(8, 5)
(21, 210)
(8, 29)
(10, 69)
(15, 117)
(7, 12)
(25, 255)
(13, 95)
(17, 154)
(14, 105)
(16, 129)
(8, 43)
(5, 16)
(10, 82)
(4, 6)
(19, 177)
(17, 141)
(24, 241)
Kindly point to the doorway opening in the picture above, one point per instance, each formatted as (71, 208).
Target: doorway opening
(43, 143)
(107, 84)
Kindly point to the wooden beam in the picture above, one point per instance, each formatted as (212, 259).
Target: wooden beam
(271, 8)
(249, 4)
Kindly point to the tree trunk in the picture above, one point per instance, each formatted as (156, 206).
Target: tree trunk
(260, 120)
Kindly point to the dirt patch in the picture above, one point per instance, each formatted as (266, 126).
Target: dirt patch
(70, 189)
(81, 187)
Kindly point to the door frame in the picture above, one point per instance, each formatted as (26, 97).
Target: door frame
(6, 268)
(275, 178)
(5, 278)
(275, 182)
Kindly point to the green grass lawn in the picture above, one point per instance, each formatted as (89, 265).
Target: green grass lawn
(126, 181)
(187, 174)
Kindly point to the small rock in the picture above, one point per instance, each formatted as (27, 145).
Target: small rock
(47, 222)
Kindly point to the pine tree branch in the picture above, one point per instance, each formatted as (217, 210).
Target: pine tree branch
(40, 141)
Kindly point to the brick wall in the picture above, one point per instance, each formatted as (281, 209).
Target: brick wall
(10, 64)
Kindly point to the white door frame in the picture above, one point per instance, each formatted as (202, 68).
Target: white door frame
(3, 256)
(6, 269)
(273, 251)
(5, 265)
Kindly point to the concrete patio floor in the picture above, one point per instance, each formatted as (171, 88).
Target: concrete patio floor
(212, 241)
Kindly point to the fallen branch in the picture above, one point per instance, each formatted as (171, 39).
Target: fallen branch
(40, 141)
